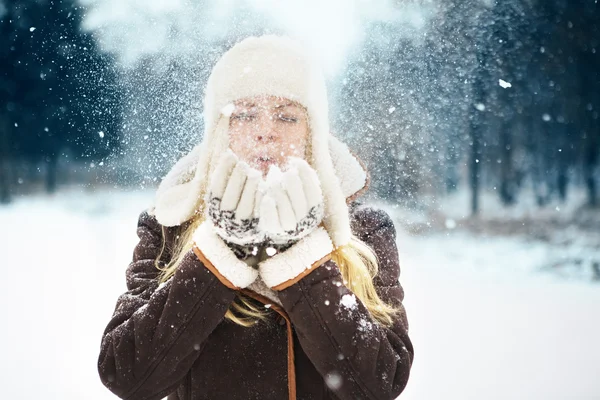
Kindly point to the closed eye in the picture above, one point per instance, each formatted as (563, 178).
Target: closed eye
(243, 116)
(288, 118)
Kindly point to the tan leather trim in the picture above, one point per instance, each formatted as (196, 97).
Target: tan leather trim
(212, 268)
(290, 339)
(314, 266)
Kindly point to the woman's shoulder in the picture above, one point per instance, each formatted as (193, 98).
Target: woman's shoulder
(369, 218)
(148, 222)
(374, 226)
(148, 216)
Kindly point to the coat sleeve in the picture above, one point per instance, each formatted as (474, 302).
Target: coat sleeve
(358, 357)
(158, 331)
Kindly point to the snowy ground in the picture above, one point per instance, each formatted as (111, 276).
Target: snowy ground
(485, 322)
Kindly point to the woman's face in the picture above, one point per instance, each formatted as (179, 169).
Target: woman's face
(265, 130)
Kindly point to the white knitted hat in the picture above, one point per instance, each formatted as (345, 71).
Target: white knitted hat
(265, 65)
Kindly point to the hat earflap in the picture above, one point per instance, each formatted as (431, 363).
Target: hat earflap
(336, 219)
(180, 196)
(219, 143)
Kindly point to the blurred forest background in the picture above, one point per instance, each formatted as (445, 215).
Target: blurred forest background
(483, 95)
(479, 121)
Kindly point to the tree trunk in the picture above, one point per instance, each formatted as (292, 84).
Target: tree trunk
(590, 162)
(507, 183)
(51, 167)
(476, 128)
(5, 176)
(476, 122)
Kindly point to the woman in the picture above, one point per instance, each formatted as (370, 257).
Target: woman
(253, 278)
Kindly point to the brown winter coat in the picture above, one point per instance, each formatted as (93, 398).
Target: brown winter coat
(173, 340)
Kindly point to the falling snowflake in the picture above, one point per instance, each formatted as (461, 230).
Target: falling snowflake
(333, 380)
(503, 84)
(364, 325)
(348, 301)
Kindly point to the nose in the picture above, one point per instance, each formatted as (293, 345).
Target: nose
(267, 131)
(265, 137)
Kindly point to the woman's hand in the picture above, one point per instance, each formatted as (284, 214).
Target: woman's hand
(292, 206)
(233, 200)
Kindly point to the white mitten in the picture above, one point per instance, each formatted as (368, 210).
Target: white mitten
(233, 199)
(293, 203)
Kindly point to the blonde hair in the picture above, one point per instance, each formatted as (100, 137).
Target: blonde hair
(356, 261)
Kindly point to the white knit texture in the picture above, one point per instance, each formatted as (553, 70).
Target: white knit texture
(175, 198)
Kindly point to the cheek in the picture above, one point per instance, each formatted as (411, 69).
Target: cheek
(234, 140)
(296, 149)
(297, 143)
(239, 143)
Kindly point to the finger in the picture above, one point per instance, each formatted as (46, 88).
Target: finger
(292, 184)
(260, 191)
(269, 218)
(222, 173)
(287, 217)
(233, 192)
(245, 207)
(274, 175)
(310, 182)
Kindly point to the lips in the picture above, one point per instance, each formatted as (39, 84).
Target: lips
(264, 160)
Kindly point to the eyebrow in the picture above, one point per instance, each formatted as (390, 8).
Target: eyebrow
(286, 105)
(277, 106)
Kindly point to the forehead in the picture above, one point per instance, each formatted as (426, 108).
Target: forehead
(268, 102)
